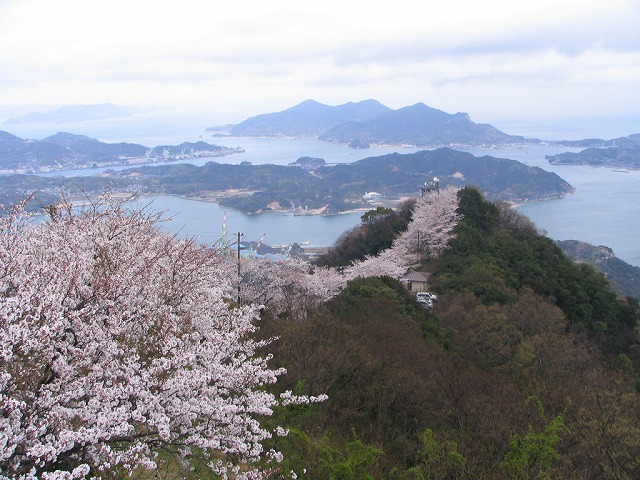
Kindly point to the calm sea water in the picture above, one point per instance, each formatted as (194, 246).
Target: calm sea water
(204, 221)
(603, 211)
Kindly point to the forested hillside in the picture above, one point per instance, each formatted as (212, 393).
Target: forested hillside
(625, 278)
(330, 189)
(525, 368)
(126, 353)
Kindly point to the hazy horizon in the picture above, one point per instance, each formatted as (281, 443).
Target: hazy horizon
(528, 67)
(167, 123)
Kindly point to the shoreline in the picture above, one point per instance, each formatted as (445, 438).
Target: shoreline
(123, 163)
(216, 202)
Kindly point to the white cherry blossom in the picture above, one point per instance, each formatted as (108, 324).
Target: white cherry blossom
(116, 341)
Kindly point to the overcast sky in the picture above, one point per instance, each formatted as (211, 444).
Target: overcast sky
(497, 60)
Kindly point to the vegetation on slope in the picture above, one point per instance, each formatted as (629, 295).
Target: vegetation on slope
(525, 368)
(498, 252)
(625, 278)
(376, 233)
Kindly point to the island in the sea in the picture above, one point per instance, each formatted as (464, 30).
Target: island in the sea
(368, 122)
(66, 151)
(309, 186)
(623, 152)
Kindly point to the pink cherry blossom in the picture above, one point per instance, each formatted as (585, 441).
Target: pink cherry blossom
(295, 288)
(116, 341)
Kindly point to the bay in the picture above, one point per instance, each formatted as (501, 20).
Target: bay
(205, 222)
(603, 210)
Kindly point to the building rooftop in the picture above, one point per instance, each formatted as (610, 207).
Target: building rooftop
(416, 277)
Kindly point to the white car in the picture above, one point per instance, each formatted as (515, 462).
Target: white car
(426, 298)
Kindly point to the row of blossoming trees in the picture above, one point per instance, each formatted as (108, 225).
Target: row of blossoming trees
(293, 286)
(119, 342)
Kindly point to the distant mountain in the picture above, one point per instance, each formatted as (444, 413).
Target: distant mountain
(73, 113)
(308, 119)
(622, 152)
(419, 125)
(66, 151)
(369, 122)
(630, 141)
(625, 277)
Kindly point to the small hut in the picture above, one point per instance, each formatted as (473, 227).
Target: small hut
(416, 281)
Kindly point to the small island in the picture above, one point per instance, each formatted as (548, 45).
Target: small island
(613, 157)
(309, 163)
(622, 152)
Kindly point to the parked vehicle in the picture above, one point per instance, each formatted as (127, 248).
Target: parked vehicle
(426, 298)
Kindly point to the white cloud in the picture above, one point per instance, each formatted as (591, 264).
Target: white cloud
(491, 59)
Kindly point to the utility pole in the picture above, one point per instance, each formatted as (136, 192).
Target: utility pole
(239, 235)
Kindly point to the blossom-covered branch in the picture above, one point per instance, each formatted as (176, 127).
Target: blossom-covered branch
(116, 340)
(293, 286)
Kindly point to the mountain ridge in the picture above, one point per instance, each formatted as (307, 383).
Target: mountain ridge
(73, 113)
(308, 118)
(416, 125)
(369, 122)
(68, 151)
(419, 124)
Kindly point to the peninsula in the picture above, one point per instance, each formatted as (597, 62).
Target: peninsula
(623, 152)
(309, 185)
(66, 151)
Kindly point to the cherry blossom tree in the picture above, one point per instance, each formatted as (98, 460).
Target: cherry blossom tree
(389, 263)
(434, 219)
(116, 342)
(293, 286)
(290, 286)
